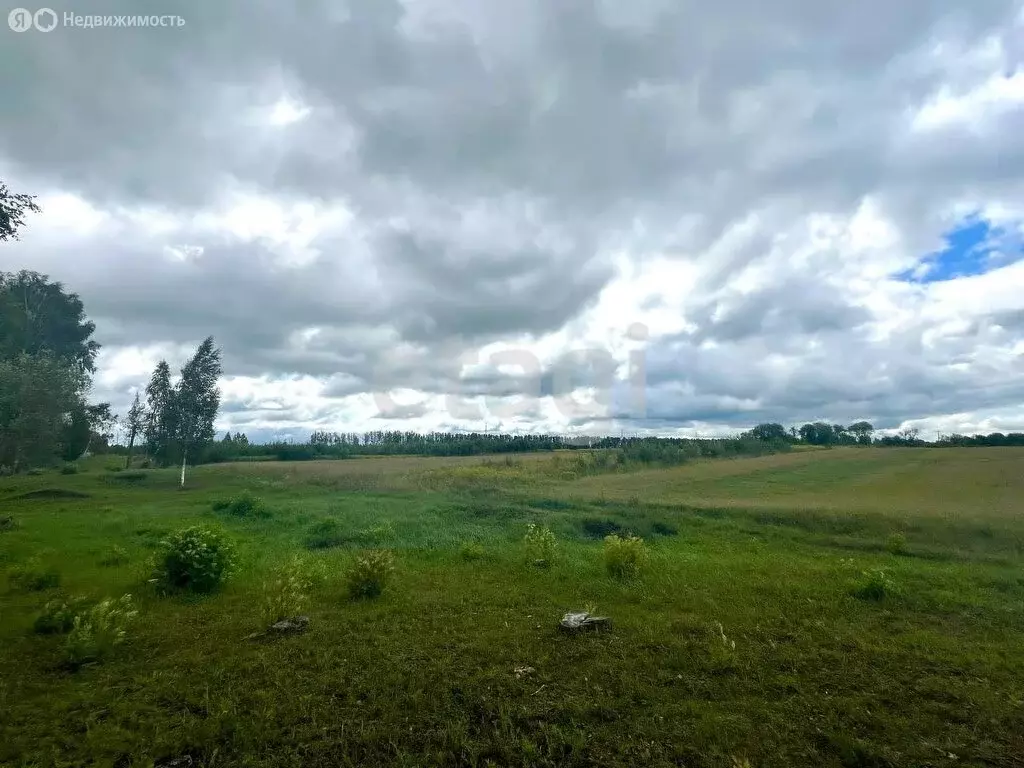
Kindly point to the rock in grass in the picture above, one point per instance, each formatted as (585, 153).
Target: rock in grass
(290, 626)
(293, 626)
(583, 622)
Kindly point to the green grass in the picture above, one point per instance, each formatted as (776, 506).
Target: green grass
(777, 550)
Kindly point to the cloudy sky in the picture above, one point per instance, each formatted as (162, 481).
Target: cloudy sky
(582, 214)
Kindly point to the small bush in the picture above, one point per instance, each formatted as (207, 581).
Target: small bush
(116, 556)
(145, 464)
(243, 505)
(875, 585)
(7, 523)
(541, 545)
(196, 559)
(286, 593)
(34, 472)
(369, 573)
(471, 550)
(95, 633)
(31, 577)
(114, 468)
(58, 616)
(624, 557)
(69, 469)
(897, 544)
(325, 534)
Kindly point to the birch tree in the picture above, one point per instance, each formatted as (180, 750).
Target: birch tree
(196, 401)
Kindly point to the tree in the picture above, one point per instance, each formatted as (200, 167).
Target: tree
(38, 315)
(862, 431)
(135, 423)
(196, 401)
(39, 396)
(768, 432)
(12, 212)
(161, 421)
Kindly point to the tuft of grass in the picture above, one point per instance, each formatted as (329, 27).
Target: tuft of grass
(875, 585)
(97, 632)
(286, 592)
(625, 556)
(58, 616)
(7, 523)
(115, 556)
(195, 559)
(540, 545)
(369, 573)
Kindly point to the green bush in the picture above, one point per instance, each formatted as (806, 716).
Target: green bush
(58, 616)
(69, 469)
(471, 550)
(624, 557)
(243, 505)
(325, 534)
(897, 544)
(286, 592)
(875, 585)
(541, 545)
(96, 632)
(197, 559)
(31, 577)
(369, 573)
(8, 523)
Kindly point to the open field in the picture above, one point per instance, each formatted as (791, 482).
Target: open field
(766, 552)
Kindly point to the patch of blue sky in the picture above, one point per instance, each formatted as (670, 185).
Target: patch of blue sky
(973, 247)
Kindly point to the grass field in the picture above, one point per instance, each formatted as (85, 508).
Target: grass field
(743, 642)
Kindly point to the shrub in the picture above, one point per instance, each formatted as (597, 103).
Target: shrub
(31, 577)
(897, 544)
(69, 469)
(116, 556)
(196, 559)
(34, 472)
(95, 633)
(875, 585)
(471, 550)
(624, 557)
(58, 616)
(540, 545)
(369, 573)
(127, 476)
(326, 533)
(286, 593)
(7, 523)
(242, 505)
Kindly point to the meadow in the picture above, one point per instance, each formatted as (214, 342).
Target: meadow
(842, 607)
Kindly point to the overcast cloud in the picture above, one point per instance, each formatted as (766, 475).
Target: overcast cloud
(733, 203)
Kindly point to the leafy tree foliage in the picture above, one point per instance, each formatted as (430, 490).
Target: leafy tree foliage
(38, 315)
(13, 208)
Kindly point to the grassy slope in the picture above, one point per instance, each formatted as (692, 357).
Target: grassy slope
(769, 547)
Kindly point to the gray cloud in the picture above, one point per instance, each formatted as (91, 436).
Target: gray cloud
(495, 159)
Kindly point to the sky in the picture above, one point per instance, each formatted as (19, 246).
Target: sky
(582, 216)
